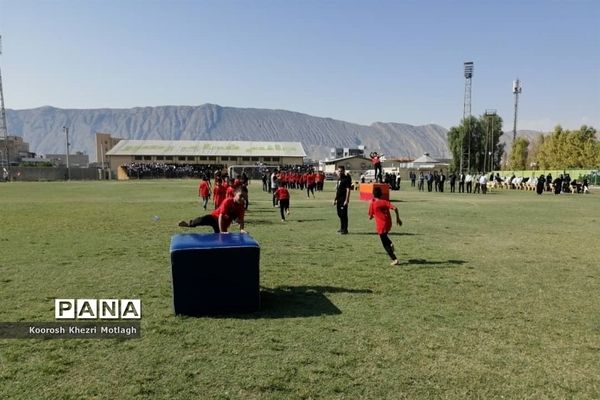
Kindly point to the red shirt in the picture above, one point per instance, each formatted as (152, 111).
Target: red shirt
(230, 192)
(219, 193)
(282, 193)
(380, 209)
(230, 211)
(203, 190)
(375, 160)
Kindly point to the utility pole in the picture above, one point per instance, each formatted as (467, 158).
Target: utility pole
(68, 144)
(516, 91)
(3, 126)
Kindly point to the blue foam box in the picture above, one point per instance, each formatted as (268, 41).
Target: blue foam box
(215, 273)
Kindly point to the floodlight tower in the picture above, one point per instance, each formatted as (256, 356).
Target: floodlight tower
(467, 113)
(489, 150)
(516, 91)
(3, 128)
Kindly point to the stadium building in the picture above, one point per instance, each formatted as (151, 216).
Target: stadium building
(226, 153)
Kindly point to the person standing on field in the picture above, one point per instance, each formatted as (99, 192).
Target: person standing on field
(342, 198)
(219, 192)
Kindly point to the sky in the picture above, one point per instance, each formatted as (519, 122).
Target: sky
(357, 61)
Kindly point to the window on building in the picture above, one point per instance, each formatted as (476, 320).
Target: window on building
(191, 158)
(254, 158)
(212, 158)
(159, 158)
(245, 158)
(202, 158)
(169, 158)
(266, 158)
(275, 159)
(148, 158)
(137, 157)
(224, 158)
(181, 158)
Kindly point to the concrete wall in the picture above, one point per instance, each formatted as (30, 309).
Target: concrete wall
(52, 174)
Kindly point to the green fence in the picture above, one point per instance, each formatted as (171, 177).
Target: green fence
(592, 175)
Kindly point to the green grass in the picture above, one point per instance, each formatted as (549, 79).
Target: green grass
(496, 297)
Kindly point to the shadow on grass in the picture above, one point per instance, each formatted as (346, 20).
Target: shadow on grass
(261, 221)
(434, 264)
(310, 220)
(409, 201)
(389, 234)
(299, 301)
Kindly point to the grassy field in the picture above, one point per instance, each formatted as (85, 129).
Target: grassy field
(496, 297)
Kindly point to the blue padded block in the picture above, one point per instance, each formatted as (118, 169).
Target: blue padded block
(215, 273)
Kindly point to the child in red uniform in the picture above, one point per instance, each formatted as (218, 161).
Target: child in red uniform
(219, 192)
(380, 209)
(220, 219)
(310, 184)
(376, 161)
(230, 192)
(283, 196)
(204, 191)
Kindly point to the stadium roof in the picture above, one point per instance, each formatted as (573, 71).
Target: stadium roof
(425, 158)
(205, 148)
(335, 160)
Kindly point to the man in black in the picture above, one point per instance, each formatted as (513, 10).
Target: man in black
(452, 178)
(342, 198)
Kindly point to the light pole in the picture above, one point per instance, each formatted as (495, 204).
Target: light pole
(68, 144)
(467, 114)
(516, 91)
(4, 130)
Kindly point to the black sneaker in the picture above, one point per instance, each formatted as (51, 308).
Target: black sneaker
(343, 232)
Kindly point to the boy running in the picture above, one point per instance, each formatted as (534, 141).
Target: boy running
(380, 209)
(283, 195)
(204, 191)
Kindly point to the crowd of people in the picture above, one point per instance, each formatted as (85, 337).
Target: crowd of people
(161, 170)
(480, 182)
(293, 177)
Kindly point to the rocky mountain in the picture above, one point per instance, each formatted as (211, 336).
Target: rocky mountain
(42, 128)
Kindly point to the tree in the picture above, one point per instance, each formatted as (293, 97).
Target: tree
(478, 139)
(534, 149)
(569, 149)
(518, 154)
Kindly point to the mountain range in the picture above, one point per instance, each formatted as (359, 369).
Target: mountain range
(42, 128)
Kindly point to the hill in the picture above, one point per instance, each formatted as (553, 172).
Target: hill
(42, 128)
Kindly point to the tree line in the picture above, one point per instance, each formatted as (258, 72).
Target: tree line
(477, 141)
(561, 149)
